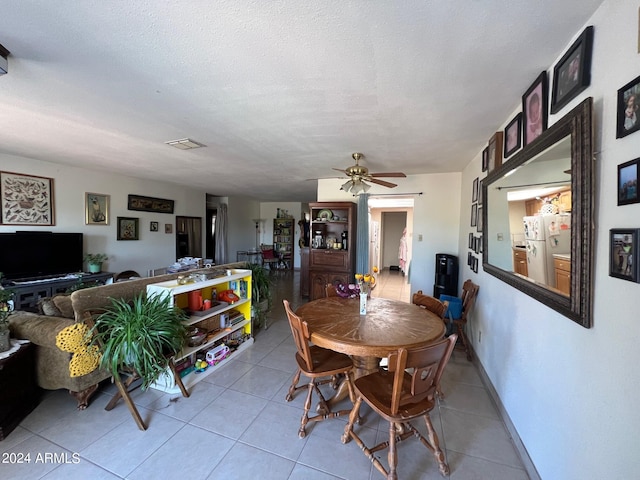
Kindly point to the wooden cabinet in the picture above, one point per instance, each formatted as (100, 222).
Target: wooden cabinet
(283, 234)
(533, 206)
(228, 324)
(563, 275)
(564, 201)
(520, 261)
(333, 224)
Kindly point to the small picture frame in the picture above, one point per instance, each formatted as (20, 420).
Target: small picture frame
(481, 245)
(96, 209)
(153, 226)
(471, 241)
(474, 190)
(479, 221)
(469, 258)
(26, 199)
(474, 214)
(628, 114)
(474, 265)
(513, 136)
(623, 257)
(476, 245)
(485, 159)
(480, 195)
(494, 153)
(128, 228)
(168, 228)
(628, 182)
(535, 109)
(572, 73)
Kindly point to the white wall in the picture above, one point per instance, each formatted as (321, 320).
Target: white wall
(572, 392)
(436, 216)
(152, 250)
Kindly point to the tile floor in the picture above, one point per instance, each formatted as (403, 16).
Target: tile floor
(237, 425)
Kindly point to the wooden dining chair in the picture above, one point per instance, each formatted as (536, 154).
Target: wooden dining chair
(321, 366)
(430, 303)
(399, 396)
(330, 290)
(469, 294)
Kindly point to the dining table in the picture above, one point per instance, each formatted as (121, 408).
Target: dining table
(336, 323)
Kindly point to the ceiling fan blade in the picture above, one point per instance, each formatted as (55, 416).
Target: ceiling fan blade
(389, 174)
(381, 182)
(339, 170)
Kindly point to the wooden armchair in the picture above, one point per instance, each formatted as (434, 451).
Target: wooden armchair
(469, 293)
(399, 396)
(430, 303)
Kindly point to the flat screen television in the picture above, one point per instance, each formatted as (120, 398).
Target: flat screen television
(40, 254)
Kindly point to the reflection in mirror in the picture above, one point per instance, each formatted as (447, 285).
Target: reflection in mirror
(537, 207)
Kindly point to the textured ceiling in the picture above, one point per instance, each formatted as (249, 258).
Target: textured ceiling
(279, 91)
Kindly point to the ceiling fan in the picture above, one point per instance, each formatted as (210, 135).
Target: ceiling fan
(358, 174)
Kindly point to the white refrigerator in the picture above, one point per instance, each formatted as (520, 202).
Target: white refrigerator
(545, 235)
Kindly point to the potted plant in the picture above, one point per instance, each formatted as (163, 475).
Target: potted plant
(6, 308)
(94, 261)
(261, 296)
(139, 335)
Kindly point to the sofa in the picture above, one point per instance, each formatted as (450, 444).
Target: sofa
(61, 311)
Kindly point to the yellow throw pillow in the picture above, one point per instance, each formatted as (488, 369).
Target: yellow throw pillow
(85, 358)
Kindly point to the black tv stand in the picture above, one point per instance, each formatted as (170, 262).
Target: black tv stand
(27, 295)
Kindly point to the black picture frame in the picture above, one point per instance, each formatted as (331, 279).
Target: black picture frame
(535, 109)
(471, 241)
(481, 244)
(474, 193)
(494, 153)
(628, 118)
(485, 159)
(149, 204)
(623, 253)
(469, 257)
(153, 226)
(513, 136)
(480, 192)
(479, 219)
(128, 228)
(572, 73)
(628, 182)
(474, 214)
(476, 246)
(474, 264)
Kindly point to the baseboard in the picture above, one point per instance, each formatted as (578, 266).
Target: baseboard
(517, 442)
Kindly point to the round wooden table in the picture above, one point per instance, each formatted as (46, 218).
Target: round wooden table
(335, 323)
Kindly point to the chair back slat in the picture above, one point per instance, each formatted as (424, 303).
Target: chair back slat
(430, 303)
(469, 293)
(427, 365)
(300, 332)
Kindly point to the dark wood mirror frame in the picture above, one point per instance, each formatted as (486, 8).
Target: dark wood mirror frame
(578, 305)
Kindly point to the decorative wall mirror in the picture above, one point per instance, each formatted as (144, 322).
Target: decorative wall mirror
(538, 205)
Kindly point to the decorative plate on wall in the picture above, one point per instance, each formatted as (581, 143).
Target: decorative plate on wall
(325, 214)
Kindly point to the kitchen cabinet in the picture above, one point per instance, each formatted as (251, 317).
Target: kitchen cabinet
(564, 201)
(563, 274)
(520, 261)
(333, 245)
(227, 324)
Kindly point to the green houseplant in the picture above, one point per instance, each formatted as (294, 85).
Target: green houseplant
(261, 295)
(94, 261)
(139, 335)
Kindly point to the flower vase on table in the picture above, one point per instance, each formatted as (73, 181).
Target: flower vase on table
(365, 284)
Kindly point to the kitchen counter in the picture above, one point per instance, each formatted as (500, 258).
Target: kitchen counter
(562, 256)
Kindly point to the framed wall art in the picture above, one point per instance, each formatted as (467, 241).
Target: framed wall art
(153, 227)
(628, 102)
(168, 228)
(128, 228)
(149, 204)
(479, 221)
(474, 190)
(628, 182)
(623, 256)
(494, 151)
(534, 109)
(513, 136)
(474, 214)
(96, 209)
(26, 199)
(471, 241)
(485, 159)
(572, 73)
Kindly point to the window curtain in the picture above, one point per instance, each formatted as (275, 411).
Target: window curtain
(362, 239)
(221, 234)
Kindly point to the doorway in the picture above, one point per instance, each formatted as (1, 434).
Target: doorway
(188, 237)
